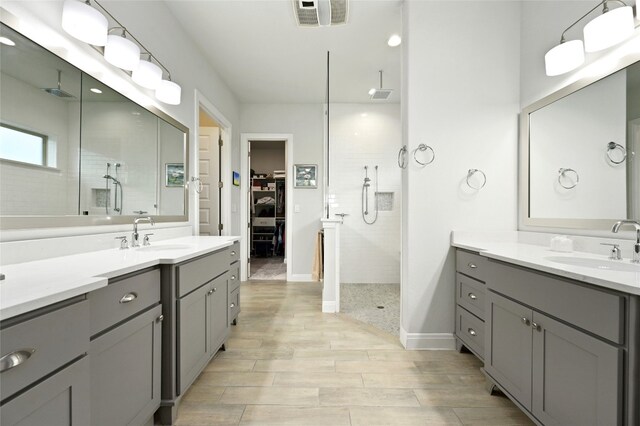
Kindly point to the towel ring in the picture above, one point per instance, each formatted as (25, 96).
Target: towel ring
(200, 185)
(612, 146)
(561, 174)
(422, 147)
(472, 172)
(402, 157)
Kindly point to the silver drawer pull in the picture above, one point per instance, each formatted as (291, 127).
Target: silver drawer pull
(215, 289)
(210, 292)
(15, 358)
(472, 332)
(233, 277)
(536, 326)
(160, 318)
(233, 253)
(472, 296)
(472, 265)
(129, 297)
(525, 321)
(233, 305)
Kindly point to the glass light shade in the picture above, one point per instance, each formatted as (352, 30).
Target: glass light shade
(394, 40)
(147, 75)
(564, 57)
(122, 53)
(168, 92)
(85, 23)
(608, 29)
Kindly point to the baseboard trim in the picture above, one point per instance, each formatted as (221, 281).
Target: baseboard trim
(300, 278)
(329, 307)
(427, 341)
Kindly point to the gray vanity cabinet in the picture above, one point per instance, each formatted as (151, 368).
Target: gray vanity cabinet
(470, 301)
(234, 283)
(565, 352)
(125, 349)
(219, 301)
(44, 375)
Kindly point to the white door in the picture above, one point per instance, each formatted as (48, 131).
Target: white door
(209, 164)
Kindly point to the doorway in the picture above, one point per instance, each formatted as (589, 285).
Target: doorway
(267, 207)
(210, 144)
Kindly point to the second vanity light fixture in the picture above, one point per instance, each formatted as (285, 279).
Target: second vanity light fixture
(606, 30)
(85, 23)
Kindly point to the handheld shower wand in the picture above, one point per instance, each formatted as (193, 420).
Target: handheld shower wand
(365, 196)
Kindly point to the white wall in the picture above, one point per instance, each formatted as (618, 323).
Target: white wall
(573, 132)
(152, 23)
(305, 122)
(460, 96)
(366, 134)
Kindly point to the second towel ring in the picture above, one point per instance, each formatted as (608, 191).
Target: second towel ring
(561, 174)
(200, 185)
(612, 146)
(423, 147)
(402, 157)
(472, 172)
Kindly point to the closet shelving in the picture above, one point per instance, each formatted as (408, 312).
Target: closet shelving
(267, 216)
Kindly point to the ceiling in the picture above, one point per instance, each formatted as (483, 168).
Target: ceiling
(264, 57)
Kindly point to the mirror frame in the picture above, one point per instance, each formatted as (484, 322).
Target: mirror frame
(526, 223)
(15, 222)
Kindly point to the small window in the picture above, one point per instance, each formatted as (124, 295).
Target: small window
(22, 145)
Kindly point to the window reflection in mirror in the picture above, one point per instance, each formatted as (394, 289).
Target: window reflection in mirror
(40, 133)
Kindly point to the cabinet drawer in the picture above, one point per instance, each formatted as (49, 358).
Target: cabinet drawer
(264, 221)
(193, 274)
(471, 264)
(599, 312)
(234, 304)
(122, 299)
(234, 277)
(470, 295)
(48, 341)
(470, 330)
(234, 252)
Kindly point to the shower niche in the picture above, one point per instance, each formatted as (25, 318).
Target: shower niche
(74, 151)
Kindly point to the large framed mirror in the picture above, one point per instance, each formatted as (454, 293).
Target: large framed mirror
(73, 151)
(579, 148)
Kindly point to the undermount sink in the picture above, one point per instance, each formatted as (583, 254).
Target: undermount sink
(165, 247)
(605, 265)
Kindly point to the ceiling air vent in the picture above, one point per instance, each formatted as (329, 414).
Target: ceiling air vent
(320, 13)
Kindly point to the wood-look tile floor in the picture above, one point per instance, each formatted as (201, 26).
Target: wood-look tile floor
(287, 363)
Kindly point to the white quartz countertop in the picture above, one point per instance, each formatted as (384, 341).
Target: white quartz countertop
(32, 285)
(537, 257)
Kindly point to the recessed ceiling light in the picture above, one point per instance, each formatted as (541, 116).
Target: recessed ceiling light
(364, 114)
(95, 90)
(7, 41)
(372, 91)
(394, 40)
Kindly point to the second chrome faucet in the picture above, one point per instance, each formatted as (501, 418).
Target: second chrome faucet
(636, 247)
(135, 237)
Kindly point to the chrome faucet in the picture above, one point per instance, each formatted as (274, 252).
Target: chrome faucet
(636, 247)
(135, 237)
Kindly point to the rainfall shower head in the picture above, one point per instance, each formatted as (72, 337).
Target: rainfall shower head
(380, 94)
(57, 91)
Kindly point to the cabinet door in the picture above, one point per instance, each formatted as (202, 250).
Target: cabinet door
(194, 335)
(219, 312)
(62, 399)
(508, 346)
(125, 371)
(576, 377)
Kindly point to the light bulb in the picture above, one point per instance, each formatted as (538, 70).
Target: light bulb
(394, 40)
(372, 91)
(147, 75)
(122, 53)
(564, 57)
(168, 92)
(85, 23)
(608, 29)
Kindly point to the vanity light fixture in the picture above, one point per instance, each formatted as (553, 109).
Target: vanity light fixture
(96, 90)
(7, 41)
(147, 74)
(394, 40)
(122, 52)
(85, 23)
(606, 30)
